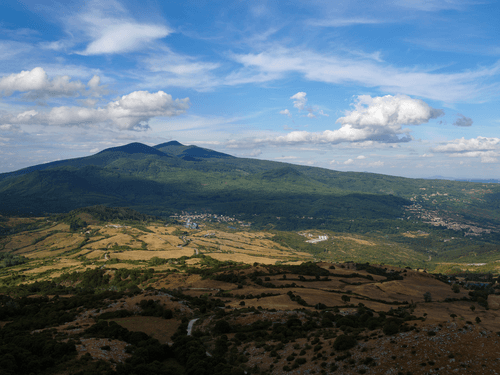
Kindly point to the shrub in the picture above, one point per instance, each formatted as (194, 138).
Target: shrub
(391, 328)
(344, 342)
(427, 297)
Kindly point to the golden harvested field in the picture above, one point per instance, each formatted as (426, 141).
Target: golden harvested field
(123, 243)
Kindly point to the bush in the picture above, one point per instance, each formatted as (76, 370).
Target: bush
(221, 327)
(391, 328)
(427, 297)
(344, 342)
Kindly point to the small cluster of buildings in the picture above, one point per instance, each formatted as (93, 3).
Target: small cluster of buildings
(205, 217)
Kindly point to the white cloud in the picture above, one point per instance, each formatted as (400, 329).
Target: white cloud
(112, 30)
(487, 149)
(485, 156)
(343, 22)
(427, 155)
(466, 145)
(37, 85)
(8, 127)
(286, 112)
(300, 100)
(95, 87)
(181, 71)
(130, 112)
(376, 164)
(389, 112)
(348, 161)
(323, 113)
(377, 119)
(285, 157)
(277, 62)
(463, 121)
(332, 162)
(10, 49)
(123, 37)
(432, 5)
(255, 153)
(361, 157)
(489, 159)
(94, 150)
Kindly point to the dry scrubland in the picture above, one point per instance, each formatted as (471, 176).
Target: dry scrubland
(444, 335)
(434, 340)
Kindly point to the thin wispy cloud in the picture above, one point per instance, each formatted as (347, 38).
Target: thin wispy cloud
(446, 87)
(343, 22)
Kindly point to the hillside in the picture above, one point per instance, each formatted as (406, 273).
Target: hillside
(114, 291)
(461, 218)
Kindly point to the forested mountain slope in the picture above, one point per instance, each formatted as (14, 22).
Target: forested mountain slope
(170, 177)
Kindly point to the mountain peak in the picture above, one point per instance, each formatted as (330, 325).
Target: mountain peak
(166, 144)
(135, 148)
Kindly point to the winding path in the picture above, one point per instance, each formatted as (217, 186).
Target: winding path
(190, 326)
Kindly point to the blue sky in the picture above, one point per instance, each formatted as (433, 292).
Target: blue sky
(407, 88)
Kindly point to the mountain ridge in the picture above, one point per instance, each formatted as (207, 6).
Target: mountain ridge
(171, 177)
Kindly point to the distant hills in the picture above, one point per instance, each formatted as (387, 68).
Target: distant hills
(482, 180)
(170, 177)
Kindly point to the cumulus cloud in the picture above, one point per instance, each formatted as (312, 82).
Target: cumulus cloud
(300, 100)
(376, 164)
(95, 88)
(37, 85)
(286, 112)
(487, 149)
(463, 121)
(467, 145)
(348, 161)
(378, 119)
(361, 157)
(130, 112)
(389, 112)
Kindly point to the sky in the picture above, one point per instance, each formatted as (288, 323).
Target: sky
(406, 88)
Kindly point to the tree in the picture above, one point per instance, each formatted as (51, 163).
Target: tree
(346, 298)
(427, 297)
(222, 326)
(453, 316)
(472, 307)
(478, 319)
(455, 288)
(344, 342)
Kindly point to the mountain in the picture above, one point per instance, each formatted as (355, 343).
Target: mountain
(134, 148)
(190, 153)
(171, 177)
